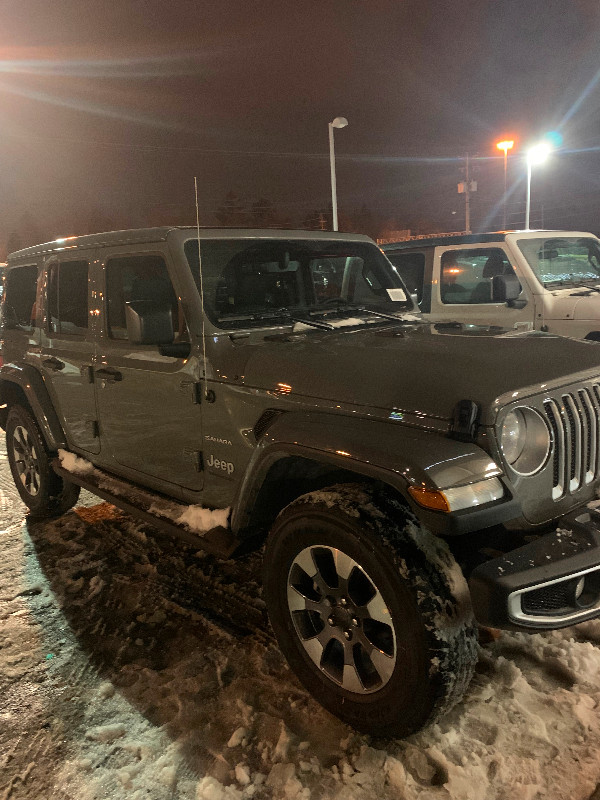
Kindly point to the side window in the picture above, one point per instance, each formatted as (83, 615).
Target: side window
(18, 302)
(68, 298)
(144, 277)
(411, 267)
(467, 275)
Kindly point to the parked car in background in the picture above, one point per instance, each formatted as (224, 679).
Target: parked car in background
(542, 280)
(236, 387)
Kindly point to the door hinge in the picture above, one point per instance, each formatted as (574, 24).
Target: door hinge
(87, 373)
(196, 457)
(196, 389)
(92, 427)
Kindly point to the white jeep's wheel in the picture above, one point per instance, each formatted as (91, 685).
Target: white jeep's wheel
(40, 488)
(371, 611)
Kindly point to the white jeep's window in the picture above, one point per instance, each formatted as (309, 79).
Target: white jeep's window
(248, 281)
(68, 298)
(563, 260)
(467, 275)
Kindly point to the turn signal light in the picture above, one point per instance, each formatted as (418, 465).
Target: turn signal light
(429, 498)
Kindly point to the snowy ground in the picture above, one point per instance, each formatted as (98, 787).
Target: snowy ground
(131, 667)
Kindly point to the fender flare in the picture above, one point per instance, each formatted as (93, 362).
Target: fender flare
(33, 386)
(395, 454)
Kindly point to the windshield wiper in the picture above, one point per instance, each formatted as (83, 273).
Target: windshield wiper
(283, 314)
(322, 325)
(586, 291)
(342, 305)
(399, 320)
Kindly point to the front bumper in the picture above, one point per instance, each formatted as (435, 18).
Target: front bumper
(552, 582)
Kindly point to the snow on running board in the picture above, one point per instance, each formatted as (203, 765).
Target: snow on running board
(195, 517)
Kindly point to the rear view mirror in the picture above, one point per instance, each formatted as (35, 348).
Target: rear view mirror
(149, 322)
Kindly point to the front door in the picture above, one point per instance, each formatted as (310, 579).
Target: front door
(462, 288)
(67, 351)
(148, 403)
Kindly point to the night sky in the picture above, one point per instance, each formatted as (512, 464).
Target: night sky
(109, 110)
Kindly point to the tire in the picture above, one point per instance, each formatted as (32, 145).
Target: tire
(41, 489)
(371, 611)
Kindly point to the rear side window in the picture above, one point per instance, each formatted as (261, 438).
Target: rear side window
(68, 298)
(18, 302)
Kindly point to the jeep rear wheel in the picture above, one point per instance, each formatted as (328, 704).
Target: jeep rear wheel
(370, 611)
(40, 488)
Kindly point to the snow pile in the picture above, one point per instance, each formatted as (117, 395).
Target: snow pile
(73, 463)
(136, 667)
(201, 519)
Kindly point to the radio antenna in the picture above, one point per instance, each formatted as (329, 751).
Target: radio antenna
(201, 289)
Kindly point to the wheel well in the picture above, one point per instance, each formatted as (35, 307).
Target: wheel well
(292, 477)
(11, 394)
(593, 336)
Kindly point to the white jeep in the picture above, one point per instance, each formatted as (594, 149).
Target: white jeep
(542, 280)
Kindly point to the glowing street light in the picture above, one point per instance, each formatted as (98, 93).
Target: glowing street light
(506, 146)
(535, 155)
(338, 122)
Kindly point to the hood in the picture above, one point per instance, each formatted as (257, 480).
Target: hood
(424, 368)
(572, 303)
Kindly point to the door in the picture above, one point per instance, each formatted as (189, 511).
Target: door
(67, 351)
(462, 288)
(148, 402)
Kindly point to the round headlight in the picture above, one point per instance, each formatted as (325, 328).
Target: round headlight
(525, 440)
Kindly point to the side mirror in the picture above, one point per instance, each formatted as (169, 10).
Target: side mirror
(505, 288)
(149, 322)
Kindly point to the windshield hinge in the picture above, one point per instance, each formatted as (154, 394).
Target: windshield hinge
(465, 419)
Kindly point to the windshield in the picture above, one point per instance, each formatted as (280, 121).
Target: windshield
(249, 281)
(563, 259)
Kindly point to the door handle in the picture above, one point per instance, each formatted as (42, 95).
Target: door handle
(109, 374)
(53, 363)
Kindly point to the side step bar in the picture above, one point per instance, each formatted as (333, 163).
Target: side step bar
(138, 502)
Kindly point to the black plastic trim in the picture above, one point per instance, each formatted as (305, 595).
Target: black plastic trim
(573, 547)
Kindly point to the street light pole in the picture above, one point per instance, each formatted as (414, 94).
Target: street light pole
(338, 122)
(535, 155)
(528, 201)
(506, 146)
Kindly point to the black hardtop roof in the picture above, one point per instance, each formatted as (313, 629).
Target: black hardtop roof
(442, 241)
(461, 238)
(160, 234)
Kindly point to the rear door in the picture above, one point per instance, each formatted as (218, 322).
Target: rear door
(148, 401)
(67, 349)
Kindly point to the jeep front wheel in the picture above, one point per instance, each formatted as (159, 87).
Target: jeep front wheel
(40, 488)
(371, 611)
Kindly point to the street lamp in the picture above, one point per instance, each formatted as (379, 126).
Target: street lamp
(535, 155)
(506, 146)
(338, 122)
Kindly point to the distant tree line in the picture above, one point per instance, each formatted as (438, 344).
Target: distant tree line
(233, 211)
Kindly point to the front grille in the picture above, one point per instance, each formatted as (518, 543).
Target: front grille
(574, 420)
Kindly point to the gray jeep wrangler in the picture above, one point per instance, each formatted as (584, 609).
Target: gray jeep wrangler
(232, 387)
